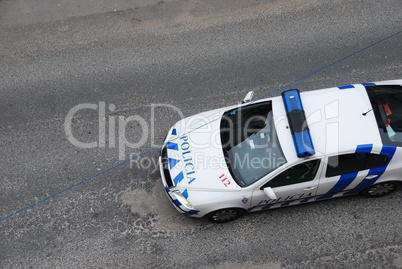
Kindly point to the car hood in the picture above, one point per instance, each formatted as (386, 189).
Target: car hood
(195, 158)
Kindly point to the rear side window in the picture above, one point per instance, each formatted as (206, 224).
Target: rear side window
(354, 162)
(386, 101)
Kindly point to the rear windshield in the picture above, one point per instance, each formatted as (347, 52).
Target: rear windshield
(386, 101)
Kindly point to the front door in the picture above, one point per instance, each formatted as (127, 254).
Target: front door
(294, 185)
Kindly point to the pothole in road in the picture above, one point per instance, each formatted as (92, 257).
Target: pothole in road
(156, 215)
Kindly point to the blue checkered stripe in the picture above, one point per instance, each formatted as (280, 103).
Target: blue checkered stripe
(345, 87)
(282, 204)
(347, 179)
(178, 176)
(338, 190)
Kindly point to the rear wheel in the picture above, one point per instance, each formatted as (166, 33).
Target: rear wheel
(225, 215)
(380, 189)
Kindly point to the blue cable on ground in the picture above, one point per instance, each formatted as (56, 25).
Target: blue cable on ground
(153, 149)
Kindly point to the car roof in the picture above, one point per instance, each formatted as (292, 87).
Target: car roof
(336, 118)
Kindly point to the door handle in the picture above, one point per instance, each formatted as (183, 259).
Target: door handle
(309, 188)
(371, 176)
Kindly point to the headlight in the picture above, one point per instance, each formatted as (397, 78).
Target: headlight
(182, 200)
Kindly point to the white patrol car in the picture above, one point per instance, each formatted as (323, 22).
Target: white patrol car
(287, 150)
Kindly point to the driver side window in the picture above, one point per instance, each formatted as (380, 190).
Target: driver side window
(299, 173)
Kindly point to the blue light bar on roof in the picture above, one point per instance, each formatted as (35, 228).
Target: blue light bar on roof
(298, 123)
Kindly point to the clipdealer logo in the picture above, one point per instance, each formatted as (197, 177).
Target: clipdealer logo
(112, 128)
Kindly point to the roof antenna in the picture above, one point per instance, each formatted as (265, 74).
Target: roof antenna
(365, 113)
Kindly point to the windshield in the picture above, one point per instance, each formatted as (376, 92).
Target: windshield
(250, 143)
(386, 101)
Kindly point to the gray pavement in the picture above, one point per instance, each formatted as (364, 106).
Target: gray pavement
(196, 56)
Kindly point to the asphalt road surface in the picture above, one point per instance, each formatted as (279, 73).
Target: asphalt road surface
(144, 59)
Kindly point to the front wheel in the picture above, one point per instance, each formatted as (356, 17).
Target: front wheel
(225, 215)
(380, 189)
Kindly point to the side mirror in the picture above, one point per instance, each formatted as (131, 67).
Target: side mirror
(270, 193)
(248, 97)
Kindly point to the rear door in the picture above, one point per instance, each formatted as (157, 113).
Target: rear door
(350, 173)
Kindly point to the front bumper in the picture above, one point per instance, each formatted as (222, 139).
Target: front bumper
(169, 186)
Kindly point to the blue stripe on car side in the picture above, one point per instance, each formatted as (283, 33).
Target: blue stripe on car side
(304, 201)
(185, 193)
(368, 84)
(366, 148)
(346, 87)
(266, 207)
(176, 202)
(388, 151)
(178, 178)
(172, 146)
(172, 162)
(342, 183)
(191, 212)
(346, 179)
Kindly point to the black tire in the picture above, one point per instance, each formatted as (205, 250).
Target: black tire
(380, 189)
(225, 215)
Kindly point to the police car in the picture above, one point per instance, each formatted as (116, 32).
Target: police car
(292, 149)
